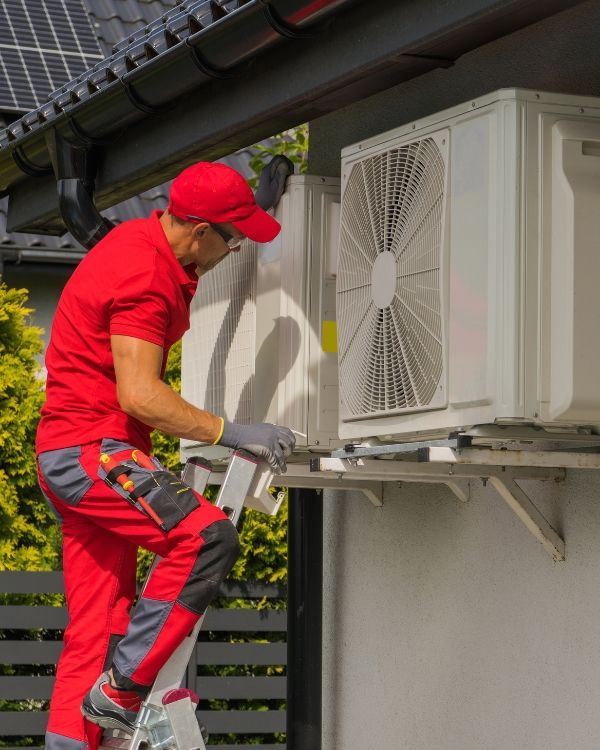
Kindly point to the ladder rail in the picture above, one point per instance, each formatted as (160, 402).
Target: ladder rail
(173, 725)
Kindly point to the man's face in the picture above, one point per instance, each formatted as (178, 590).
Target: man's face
(209, 247)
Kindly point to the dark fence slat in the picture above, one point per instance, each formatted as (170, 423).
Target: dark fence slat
(19, 688)
(29, 723)
(19, 723)
(208, 747)
(30, 652)
(252, 590)
(51, 582)
(243, 722)
(246, 620)
(241, 687)
(26, 582)
(22, 617)
(47, 652)
(238, 653)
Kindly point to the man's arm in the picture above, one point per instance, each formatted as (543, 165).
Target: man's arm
(143, 395)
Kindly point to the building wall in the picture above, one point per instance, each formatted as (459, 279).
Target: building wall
(446, 625)
(45, 282)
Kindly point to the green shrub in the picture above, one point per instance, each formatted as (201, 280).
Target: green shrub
(29, 535)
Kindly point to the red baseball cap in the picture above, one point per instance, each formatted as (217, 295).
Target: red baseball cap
(218, 194)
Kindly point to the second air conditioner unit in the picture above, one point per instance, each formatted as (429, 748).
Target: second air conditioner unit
(469, 270)
(262, 340)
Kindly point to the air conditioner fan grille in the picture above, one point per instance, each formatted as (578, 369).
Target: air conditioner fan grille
(389, 297)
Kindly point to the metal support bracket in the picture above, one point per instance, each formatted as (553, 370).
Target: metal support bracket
(457, 476)
(516, 458)
(300, 476)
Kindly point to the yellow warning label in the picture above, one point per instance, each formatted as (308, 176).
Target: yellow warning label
(329, 336)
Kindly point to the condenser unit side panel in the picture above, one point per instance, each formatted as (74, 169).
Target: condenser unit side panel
(472, 309)
(573, 354)
(534, 190)
(293, 324)
(323, 369)
(508, 267)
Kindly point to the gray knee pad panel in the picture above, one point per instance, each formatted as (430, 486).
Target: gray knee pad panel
(216, 557)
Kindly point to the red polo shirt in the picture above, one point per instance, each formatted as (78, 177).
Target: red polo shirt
(130, 283)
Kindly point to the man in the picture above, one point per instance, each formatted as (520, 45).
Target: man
(123, 308)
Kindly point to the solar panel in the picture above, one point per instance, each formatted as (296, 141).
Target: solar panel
(43, 44)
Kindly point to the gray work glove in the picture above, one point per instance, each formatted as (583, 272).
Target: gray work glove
(267, 441)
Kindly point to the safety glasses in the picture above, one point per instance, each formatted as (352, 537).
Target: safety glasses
(231, 241)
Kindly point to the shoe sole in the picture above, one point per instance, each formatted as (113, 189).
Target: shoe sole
(106, 718)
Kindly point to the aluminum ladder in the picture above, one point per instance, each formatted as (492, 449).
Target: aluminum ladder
(167, 717)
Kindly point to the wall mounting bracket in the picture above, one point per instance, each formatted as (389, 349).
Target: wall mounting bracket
(442, 462)
(300, 476)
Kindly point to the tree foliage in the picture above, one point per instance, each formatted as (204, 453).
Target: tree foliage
(29, 535)
(292, 143)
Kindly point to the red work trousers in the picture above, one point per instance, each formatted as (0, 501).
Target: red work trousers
(101, 534)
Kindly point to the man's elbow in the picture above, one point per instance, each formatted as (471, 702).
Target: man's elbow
(136, 403)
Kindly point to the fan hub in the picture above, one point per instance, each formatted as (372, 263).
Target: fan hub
(383, 279)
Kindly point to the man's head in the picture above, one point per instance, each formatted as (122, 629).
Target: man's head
(211, 210)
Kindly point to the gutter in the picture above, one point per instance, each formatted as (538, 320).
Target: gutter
(17, 254)
(195, 44)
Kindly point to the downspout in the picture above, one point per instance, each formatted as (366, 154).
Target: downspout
(75, 167)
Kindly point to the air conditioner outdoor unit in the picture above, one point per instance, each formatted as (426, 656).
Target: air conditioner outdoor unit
(262, 341)
(468, 289)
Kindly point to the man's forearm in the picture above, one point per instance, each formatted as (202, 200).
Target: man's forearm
(160, 407)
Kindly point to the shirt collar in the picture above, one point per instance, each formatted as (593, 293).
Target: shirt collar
(186, 275)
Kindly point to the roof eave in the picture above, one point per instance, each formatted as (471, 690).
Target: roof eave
(369, 47)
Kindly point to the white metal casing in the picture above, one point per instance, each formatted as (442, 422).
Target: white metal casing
(255, 350)
(519, 268)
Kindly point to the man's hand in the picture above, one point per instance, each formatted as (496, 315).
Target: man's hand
(267, 441)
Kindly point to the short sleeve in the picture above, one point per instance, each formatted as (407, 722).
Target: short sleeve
(140, 306)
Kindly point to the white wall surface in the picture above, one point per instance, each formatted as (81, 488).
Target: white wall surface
(447, 626)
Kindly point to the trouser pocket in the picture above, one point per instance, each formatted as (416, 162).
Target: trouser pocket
(158, 493)
(64, 475)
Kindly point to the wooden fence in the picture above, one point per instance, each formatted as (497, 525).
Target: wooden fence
(212, 649)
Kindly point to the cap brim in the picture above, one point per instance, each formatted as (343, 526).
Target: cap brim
(259, 226)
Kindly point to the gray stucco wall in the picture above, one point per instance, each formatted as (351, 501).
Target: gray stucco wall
(561, 53)
(446, 626)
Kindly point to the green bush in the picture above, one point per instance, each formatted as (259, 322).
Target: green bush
(29, 535)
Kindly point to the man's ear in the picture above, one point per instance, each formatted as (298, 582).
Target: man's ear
(200, 230)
